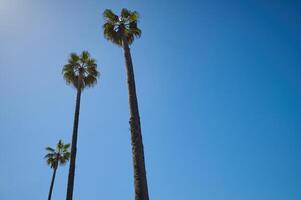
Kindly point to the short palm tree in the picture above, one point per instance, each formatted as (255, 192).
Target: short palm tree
(55, 157)
(80, 72)
(122, 30)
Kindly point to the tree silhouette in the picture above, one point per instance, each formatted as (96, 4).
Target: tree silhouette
(122, 30)
(55, 157)
(81, 72)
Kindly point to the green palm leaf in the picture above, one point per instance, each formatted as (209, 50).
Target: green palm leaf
(58, 156)
(116, 29)
(81, 70)
(49, 149)
(108, 14)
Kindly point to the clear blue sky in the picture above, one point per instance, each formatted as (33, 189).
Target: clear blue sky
(219, 92)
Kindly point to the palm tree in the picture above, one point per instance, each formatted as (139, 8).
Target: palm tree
(122, 30)
(56, 157)
(80, 72)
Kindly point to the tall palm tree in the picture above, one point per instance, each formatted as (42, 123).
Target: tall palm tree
(55, 157)
(122, 30)
(80, 72)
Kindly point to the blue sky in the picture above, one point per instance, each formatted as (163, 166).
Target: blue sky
(219, 92)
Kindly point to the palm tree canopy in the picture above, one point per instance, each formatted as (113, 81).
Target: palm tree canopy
(81, 69)
(124, 26)
(60, 155)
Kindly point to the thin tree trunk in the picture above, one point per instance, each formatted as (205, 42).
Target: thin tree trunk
(52, 183)
(73, 147)
(140, 180)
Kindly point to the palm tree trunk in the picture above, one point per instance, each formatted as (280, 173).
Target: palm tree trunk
(52, 183)
(73, 146)
(140, 180)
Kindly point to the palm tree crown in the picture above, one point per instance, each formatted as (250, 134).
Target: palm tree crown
(117, 28)
(81, 70)
(58, 156)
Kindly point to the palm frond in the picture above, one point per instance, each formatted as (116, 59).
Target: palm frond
(60, 155)
(73, 58)
(51, 162)
(67, 155)
(125, 13)
(123, 27)
(78, 70)
(70, 77)
(110, 16)
(134, 17)
(63, 161)
(66, 146)
(84, 57)
(90, 80)
(133, 29)
(112, 33)
(60, 145)
(91, 70)
(49, 149)
(50, 155)
(91, 62)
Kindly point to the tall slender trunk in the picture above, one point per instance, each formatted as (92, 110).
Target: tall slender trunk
(140, 180)
(52, 182)
(73, 145)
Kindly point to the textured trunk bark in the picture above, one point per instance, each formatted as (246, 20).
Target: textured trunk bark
(73, 146)
(140, 180)
(52, 183)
